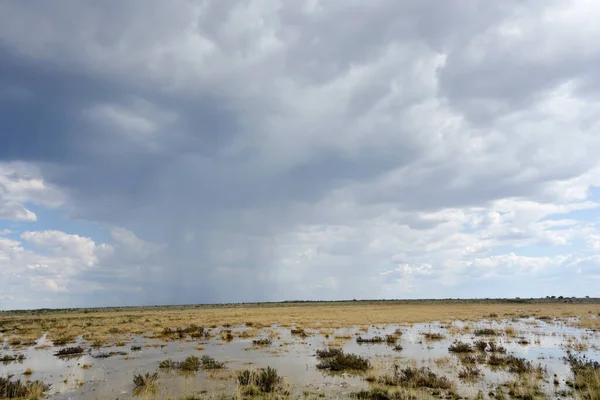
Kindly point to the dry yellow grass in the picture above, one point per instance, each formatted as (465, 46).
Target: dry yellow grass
(102, 325)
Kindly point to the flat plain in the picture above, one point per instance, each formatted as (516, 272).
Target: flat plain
(497, 349)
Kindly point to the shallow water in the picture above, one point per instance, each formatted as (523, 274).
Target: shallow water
(294, 358)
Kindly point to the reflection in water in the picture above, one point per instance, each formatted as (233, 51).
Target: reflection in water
(108, 372)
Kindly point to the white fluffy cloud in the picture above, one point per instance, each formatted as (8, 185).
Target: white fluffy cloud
(21, 184)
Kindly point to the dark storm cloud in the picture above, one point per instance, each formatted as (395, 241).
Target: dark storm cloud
(237, 134)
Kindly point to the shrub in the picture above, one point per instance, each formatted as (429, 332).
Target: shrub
(136, 348)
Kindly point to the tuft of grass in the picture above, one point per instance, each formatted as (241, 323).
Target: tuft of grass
(299, 332)
(167, 364)
(226, 335)
(490, 346)
(136, 348)
(460, 347)
(262, 342)
(63, 340)
(431, 336)
(485, 332)
(469, 373)
(28, 372)
(208, 362)
(264, 380)
(391, 339)
(145, 383)
(586, 376)
(33, 390)
(69, 351)
(398, 347)
(411, 377)
(329, 352)
(194, 331)
(190, 364)
(378, 393)
(12, 358)
(468, 359)
(375, 339)
(480, 345)
(515, 364)
(337, 360)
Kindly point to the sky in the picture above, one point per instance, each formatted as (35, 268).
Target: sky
(202, 151)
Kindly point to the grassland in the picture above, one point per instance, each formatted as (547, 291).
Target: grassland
(105, 324)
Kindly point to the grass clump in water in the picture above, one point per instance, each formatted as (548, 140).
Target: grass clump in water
(10, 389)
(431, 336)
(391, 339)
(12, 358)
(143, 384)
(299, 332)
(69, 351)
(490, 346)
(375, 339)
(586, 376)
(515, 364)
(469, 373)
(378, 393)
(226, 335)
(411, 377)
(485, 332)
(167, 364)
(190, 364)
(262, 342)
(460, 347)
(337, 360)
(264, 380)
(208, 362)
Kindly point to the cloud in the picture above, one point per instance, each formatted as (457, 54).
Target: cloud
(21, 184)
(279, 146)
